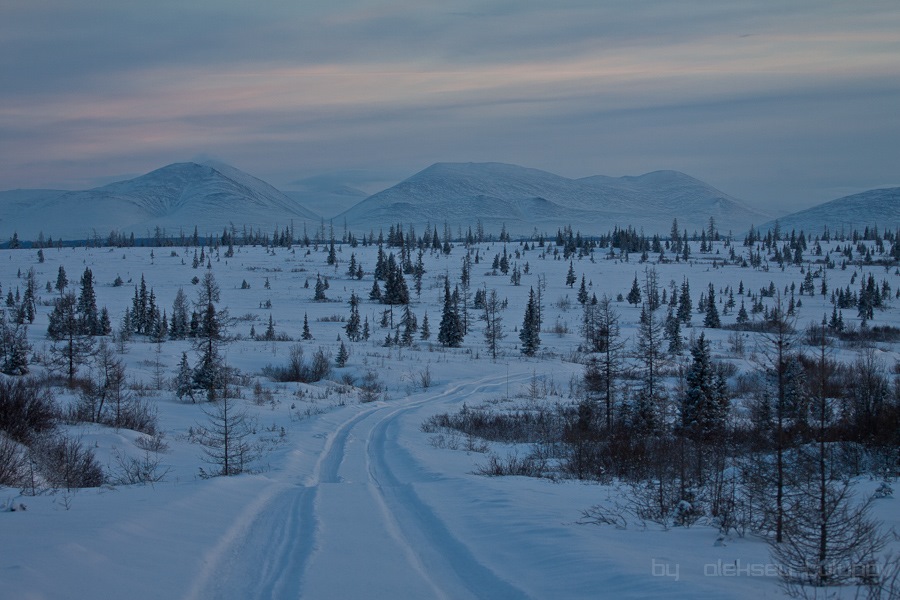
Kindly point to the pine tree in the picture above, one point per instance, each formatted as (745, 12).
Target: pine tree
(375, 293)
(210, 373)
(634, 296)
(395, 288)
(178, 324)
(410, 325)
(425, 332)
(684, 303)
(570, 276)
(530, 333)
(61, 280)
(704, 407)
(343, 356)
(673, 333)
(319, 295)
(352, 327)
(711, 321)
(14, 347)
(306, 335)
(582, 292)
(450, 332)
(742, 316)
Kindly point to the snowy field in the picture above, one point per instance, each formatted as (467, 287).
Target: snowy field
(353, 499)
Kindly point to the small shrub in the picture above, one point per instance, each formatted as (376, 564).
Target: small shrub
(65, 463)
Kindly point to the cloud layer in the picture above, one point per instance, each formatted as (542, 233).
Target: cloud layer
(778, 103)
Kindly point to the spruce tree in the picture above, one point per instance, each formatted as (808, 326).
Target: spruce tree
(570, 276)
(352, 328)
(704, 407)
(711, 321)
(61, 280)
(450, 331)
(343, 356)
(582, 292)
(178, 324)
(634, 296)
(306, 335)
(425, 332)
(530, 333)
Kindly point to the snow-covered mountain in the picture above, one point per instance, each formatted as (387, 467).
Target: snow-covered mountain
(880, 207)
(526, 200)
(175, 198)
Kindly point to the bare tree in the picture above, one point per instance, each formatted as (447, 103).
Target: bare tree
(228, 438)
(493, 319)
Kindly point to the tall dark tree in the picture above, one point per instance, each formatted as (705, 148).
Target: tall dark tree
(450, 331)
(530, 333)
(352, 327)
(711, 320)
(61, 280)
(210, 372)
(571, 278)
(14, 347)
(179, 323)
(634, 295)
(705, 404)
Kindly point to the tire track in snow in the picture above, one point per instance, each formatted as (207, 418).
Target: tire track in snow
(278, 530)
(409, 516)
(267, 552)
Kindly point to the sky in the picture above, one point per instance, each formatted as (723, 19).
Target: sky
(781, 104)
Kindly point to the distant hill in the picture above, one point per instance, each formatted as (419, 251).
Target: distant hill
(879, 207)
(174, 198)
(527, 200)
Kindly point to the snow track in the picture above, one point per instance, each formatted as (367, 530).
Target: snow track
(358, 507)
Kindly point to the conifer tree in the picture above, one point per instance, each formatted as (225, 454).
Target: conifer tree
(711, 320)
(352, 327)
(425, 332)
(530, 333)
(582, 292)
(634, 296)
(61, 280)
(343, 356)
(306, 335)
(704, 407)
(178, 324)
(450, 331)
(210, 373)
(410, 325)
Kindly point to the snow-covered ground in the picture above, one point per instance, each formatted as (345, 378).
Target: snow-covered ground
(353, 499)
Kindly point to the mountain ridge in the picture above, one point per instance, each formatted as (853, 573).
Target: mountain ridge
(879, 207)
(174, 197)
(458, 193)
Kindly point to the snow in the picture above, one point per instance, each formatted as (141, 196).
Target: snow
(525, 200)
(174, 198)
(356, 500)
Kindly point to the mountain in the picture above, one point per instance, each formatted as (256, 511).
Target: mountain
(175, 198)
(525, 200)
(879, 207)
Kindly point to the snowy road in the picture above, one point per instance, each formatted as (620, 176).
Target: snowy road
(356, 528)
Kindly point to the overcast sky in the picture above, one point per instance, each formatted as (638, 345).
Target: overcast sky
(781, 104)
